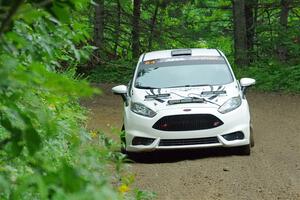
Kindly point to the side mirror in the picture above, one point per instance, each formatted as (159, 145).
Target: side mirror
(246, 82)
(121, 90)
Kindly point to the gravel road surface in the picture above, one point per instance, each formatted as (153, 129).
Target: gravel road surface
(271, 172)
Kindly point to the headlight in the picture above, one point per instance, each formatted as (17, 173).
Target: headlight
(141, 109)
(230, 105)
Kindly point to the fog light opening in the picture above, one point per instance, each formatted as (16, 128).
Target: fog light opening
(142, 141)
(234, 136)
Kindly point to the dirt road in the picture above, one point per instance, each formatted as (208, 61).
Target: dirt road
(271, 172)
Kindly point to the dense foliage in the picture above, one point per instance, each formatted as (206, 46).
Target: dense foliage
(45, 150)
(46, 47)
(272, 36)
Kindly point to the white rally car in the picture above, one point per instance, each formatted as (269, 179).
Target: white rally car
(185, 98)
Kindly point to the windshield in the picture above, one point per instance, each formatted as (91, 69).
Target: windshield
(183, 74)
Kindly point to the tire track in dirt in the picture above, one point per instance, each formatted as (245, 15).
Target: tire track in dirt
(271, 172)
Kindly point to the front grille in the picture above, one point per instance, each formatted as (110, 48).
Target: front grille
(192, 141)
(187, 122)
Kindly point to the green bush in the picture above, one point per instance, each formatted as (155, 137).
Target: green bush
(273, 76)
(45, 150)
(120, 71)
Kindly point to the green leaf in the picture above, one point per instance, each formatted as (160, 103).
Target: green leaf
(28, 13)
(15, 146)
(71, 180)
(33, 140)
(62, 13)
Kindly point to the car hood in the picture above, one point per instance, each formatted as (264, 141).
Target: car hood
(214, 96)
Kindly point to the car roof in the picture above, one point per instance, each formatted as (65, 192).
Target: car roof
(162, 54)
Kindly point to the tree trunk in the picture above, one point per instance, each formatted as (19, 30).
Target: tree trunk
(284, 13)
(152, 25)
(136, 28)
(270, 26)
(240, 34)
(282, 50)
(117, 29)
(99, 27)
(8, 18)
(250, 10)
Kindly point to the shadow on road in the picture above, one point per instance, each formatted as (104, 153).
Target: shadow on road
(168, 156)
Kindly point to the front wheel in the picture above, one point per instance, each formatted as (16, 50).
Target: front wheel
(251, 136)
(244, 150)
(123, 140)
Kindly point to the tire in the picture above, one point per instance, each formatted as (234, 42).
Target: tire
(123, 150)
(251, 137)
(123, 140)
(244, 150)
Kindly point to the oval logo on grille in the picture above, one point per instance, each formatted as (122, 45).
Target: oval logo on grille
(187, 110)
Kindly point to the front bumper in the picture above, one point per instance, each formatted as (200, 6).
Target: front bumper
(234, 121)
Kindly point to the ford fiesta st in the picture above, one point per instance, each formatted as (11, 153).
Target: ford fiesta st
(185, 98)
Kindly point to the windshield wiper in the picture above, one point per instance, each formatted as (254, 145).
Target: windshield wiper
(199, 85)
(145, 87)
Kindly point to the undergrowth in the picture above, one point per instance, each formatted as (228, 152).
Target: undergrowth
(273, 76)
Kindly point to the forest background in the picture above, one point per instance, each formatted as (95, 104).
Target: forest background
(50, 51)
